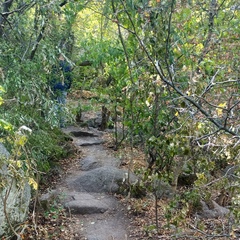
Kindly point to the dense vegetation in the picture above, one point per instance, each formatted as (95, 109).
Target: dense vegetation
(170, 70)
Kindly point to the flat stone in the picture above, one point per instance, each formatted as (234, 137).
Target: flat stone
(81, 137)
(83, 134)
(88, 141)
(85, 203)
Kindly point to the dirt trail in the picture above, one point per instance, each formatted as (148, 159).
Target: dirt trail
(88, 191)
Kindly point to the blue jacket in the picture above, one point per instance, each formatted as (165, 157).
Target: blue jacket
(63, 70)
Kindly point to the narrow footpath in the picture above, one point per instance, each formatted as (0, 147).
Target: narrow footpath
(88, 191)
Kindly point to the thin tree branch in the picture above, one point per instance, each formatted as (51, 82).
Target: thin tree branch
(210, 84)
(63, 3)
(168, 44)
(122, 41)
(5, 14)
(39, 38)
(212, 14)
(206, 136)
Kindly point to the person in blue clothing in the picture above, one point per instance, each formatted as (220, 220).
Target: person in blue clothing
(61, 81)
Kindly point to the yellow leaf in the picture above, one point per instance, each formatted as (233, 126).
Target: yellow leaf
(1, 89)
(199, 47)
(32, 182)
(19, 163)
(21, 141)
(176, 114)
(220, 108)
(1, 101)
(7, 126)
(19, 153)
(199, 125)
(201, 176)
(222, 105)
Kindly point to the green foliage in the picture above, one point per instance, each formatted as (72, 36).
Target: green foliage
(169, 68)
(47, 147)
(182, 206)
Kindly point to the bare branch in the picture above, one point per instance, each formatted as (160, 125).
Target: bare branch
(220, 178)
(206, 136)
(210, 84)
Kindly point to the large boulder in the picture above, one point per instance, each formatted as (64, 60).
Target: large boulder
(103, 179)
(14, 197)
(213, 210)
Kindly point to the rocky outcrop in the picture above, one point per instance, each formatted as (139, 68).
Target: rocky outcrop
(14, 197)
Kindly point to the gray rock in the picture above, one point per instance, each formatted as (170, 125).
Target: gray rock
(99, 154)
(3, 151)
(216, 211)
(16, 197)
(85, 203)
(89, 163)
(84, 138)
(103, 179)
(163, 189)
(88, 141)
